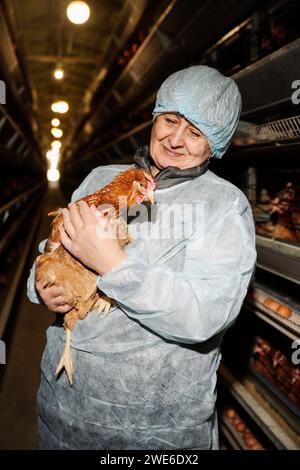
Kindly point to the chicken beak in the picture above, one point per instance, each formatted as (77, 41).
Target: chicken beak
(150, 196)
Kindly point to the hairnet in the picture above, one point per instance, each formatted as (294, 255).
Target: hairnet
(206, 98)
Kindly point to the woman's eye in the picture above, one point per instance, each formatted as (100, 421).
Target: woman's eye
(194, 132)
(170, 121)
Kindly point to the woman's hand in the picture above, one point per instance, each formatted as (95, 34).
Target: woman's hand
(87, 235)
(53, 298)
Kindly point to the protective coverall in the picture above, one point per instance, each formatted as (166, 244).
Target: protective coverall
(145, 375)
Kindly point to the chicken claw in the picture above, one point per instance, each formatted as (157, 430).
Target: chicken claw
(66, 359)
(104, 304)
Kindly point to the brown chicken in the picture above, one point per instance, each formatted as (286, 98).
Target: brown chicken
(58, 267)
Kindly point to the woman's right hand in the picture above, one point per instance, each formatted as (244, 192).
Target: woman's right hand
(53, 298)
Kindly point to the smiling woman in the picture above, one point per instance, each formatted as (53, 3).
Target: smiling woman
(145, 375)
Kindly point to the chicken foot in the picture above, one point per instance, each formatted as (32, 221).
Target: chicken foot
(104, 304)
(65, 361)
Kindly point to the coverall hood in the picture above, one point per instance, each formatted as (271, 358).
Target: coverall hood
(207, 99)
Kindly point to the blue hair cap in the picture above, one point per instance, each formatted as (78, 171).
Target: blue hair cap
(207, 99)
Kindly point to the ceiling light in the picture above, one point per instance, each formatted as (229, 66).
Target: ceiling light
(78, 12)
(54, 160)
(55, 122)
(60, 107)
(57, 133)
(53, 175)
(58, 73)
(53, 157)
(54, 152)
(56, 144)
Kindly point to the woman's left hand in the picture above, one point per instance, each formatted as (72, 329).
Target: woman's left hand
(86, 234)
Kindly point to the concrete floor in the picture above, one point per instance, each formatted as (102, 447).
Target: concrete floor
(25, 340)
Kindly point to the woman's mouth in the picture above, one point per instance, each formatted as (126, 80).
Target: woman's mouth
(170, 152)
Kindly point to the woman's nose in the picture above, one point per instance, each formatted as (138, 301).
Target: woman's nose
(177, 137)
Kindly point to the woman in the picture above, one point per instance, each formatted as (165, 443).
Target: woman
(145, 376)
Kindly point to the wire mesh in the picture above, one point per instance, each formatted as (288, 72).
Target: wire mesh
(283, 129)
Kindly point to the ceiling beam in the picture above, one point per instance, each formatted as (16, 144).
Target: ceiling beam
(66, 60)
(46, 25)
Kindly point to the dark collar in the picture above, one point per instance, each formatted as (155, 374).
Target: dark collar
(168, 176)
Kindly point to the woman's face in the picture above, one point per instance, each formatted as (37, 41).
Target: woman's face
(176, 142)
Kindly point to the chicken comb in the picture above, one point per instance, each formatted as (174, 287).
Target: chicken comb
(151, 183)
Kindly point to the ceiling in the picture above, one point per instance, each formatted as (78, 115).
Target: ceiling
(48, 39)
(100, 90)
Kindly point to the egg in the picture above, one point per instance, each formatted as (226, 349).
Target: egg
(241, 427)
(230, 413)
(272, 304)
(257, 446)
(284, 311)
(237, 141)
(254, 294)
(250, 442)
(236, 422)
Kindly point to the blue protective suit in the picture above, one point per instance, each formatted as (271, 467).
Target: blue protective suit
(145, 375)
